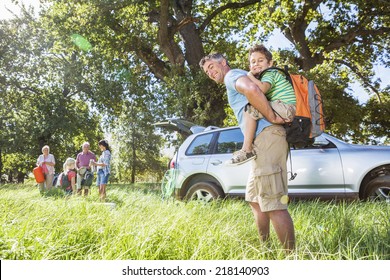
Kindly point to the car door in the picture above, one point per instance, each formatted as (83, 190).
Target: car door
(232, 178)
(318, 169)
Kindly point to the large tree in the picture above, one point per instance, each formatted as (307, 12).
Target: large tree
(170, 37)
(40, 104)
(49, 82)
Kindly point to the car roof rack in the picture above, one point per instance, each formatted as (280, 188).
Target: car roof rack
(211, 127)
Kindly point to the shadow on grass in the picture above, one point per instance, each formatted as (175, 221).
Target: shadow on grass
(54, 192)
(145, 188)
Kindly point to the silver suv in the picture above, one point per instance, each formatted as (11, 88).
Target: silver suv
(330, 168)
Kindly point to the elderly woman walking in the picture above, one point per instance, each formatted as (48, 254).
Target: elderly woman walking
(47, 162)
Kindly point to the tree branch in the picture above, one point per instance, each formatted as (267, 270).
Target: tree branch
(221, 9)
(351, 36)
(158, 67)
(27, 88)
(364, 79)
(166, 37)
(295, 33)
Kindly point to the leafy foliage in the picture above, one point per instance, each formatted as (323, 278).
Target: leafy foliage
(170, 37)
(133, 134)
(40, 103)
(142, 58)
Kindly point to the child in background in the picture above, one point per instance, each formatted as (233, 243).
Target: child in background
(278, 91)
(70, 171)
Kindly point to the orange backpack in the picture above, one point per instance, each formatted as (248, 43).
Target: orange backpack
(309, 121)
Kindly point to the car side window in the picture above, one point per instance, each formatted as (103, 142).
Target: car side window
(229, 141)
(319, 143)
(200, 145)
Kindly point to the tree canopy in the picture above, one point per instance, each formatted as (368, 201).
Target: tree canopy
(133, 53)
(347, 38)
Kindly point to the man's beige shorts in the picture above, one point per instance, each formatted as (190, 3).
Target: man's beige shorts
(267, 182)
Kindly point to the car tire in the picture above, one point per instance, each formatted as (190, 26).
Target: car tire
(377, 189)
(204, 191)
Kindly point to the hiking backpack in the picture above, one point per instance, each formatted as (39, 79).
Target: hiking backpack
(308, 122)
(87, 179)
(64, 181)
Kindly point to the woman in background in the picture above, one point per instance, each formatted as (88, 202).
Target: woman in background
(103, 168)
(47, 162)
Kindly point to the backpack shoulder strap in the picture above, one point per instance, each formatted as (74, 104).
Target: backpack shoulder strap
(284, 71)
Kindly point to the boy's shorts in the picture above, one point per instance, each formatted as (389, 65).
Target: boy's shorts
(267, 182)
(285, 111)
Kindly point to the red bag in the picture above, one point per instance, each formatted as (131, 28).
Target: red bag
(38, 174)
(44, 169)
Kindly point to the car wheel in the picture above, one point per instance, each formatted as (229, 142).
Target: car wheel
(204, 192)
(378, 189)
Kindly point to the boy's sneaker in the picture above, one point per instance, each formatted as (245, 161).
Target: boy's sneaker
(240, 157)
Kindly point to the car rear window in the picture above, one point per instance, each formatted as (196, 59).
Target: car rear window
(229, 141)
(200, 145)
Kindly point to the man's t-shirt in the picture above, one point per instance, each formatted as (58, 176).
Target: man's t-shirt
(82, 160)
(238, 100)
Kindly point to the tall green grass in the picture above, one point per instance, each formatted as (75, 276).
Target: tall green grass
(142, 226)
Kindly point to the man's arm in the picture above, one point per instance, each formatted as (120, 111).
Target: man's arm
(264, 86)
(257, 99)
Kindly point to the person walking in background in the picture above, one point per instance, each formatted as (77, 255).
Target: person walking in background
(103, 168)
(266, 190)
(83, 161)
(47, 162)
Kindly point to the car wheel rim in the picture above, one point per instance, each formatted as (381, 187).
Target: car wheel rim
(382, 193)
(202, 195)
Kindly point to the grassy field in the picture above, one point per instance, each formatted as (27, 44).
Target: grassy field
(142, 226)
